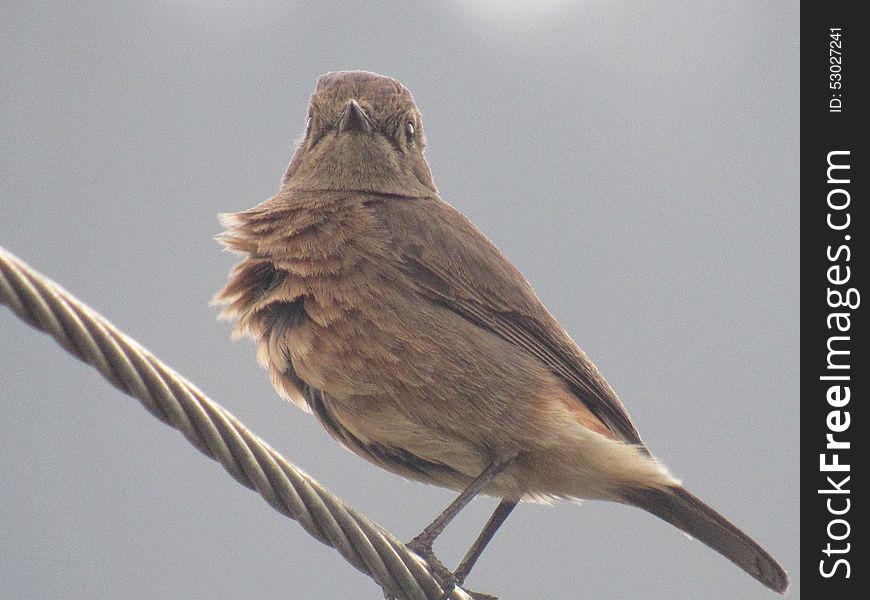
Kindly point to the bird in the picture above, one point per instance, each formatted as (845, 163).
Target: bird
(417, 344)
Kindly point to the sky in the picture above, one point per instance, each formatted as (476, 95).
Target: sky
(637, 161)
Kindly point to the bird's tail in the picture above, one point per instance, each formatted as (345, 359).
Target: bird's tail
(683, 510)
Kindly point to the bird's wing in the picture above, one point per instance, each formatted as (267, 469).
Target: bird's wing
(447, 259)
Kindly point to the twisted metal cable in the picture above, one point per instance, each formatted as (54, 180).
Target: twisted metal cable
(216, 433)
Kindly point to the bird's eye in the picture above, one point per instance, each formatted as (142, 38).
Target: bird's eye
(409, 130)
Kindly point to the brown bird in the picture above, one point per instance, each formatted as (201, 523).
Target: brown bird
(419, 346)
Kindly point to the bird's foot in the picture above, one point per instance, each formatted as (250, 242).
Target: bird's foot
(444, 576)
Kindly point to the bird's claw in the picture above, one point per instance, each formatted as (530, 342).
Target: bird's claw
(444, 576)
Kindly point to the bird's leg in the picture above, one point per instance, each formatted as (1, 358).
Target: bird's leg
(434, 529)
(422, 544)
(495, 521)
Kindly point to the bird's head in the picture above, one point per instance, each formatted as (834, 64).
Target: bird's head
(363, 133)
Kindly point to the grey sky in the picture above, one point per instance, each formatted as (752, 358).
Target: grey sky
(637, 161)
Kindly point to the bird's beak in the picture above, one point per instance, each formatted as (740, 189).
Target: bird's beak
(354, 118)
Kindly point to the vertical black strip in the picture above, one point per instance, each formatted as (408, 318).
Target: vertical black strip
(834, 369)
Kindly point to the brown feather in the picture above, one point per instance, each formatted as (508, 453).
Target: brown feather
(412, 338)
